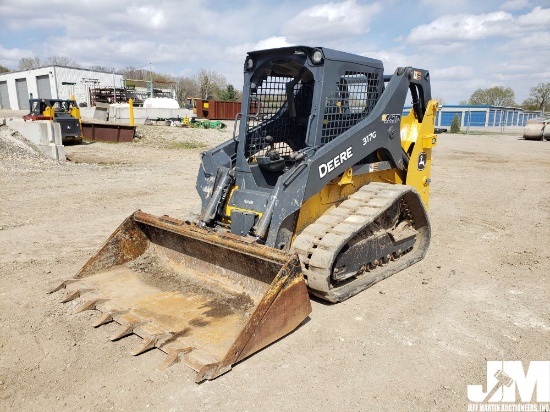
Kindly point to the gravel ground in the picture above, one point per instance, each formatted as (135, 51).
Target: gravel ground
(410, 343)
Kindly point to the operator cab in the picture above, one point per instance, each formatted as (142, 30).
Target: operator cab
(280, 96)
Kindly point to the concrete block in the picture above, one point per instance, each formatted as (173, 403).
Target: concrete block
(60, 152)
(54, 134)
(87, 112)
(43, 133)
(49, 151)
(101, 113)
(94, 113)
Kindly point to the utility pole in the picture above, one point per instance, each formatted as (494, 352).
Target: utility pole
(114, 86)
(151, 79)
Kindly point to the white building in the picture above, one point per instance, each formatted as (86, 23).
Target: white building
(53, 82)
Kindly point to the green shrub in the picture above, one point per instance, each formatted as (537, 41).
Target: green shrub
(455, 125)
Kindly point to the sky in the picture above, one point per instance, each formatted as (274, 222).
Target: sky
(465, 44)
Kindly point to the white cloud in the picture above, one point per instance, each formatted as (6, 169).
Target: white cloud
(330, 21)
(539, 18)
(391, 60)
(238, 52)
(271, 43)
(453, 91)
(536, 44)
(450, 28)
(10, 57)
(444, 47)
(513, 5)
(154, 17)
(441, 7)
(454, 73)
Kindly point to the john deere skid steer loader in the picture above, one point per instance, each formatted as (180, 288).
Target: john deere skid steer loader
(322, 189)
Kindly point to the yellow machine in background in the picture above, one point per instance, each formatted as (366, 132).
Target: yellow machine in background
(64, 112)
(191, 104)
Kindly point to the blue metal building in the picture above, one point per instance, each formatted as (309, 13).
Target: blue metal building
(481, 115)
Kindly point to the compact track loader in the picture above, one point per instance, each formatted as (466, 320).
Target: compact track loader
(323, 188)
(64, 112)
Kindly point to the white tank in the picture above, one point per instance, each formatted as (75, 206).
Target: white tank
(537, 129)
(161, 103)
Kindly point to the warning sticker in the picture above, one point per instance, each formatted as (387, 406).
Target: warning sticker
(422, 157)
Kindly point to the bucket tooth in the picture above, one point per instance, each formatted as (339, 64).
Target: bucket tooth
(63, 285)
(173, 357)
(123, 331)
(71, 296)
(103, 319)
(89, 305)
(145, 345)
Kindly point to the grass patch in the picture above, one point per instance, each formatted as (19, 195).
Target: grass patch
(480, 132)
(186, 145)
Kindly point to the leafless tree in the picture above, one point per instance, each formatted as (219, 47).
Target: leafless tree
(28, 63)
(61, 61)
(211, 83)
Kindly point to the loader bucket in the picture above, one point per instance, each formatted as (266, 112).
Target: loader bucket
(205, 299)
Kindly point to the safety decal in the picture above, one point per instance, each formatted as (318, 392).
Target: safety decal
(422, 157)
(391, 118)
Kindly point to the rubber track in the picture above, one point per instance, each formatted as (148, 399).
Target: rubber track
(319, 244)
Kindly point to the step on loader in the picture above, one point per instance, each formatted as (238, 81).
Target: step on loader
(322, 189)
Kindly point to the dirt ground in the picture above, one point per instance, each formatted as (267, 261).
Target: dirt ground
(410, 343)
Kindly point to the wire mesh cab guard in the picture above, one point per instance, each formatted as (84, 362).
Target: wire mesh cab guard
(284, 103)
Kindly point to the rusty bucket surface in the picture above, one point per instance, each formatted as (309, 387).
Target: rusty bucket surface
(203, 298)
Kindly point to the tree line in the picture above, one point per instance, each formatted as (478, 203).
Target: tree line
(206, 84)
(539, 97)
